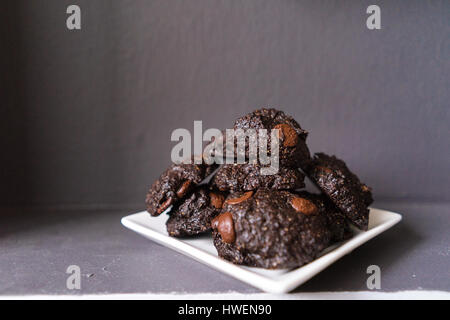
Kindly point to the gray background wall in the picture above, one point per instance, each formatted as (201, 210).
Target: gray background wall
(87, 115)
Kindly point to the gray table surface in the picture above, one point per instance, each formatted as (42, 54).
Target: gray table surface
(37, 247)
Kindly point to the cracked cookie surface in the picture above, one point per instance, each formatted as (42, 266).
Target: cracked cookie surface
(336, 221)
(342, 186)
(193, 215)
(245, 177)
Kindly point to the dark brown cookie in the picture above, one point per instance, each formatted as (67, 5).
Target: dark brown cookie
(244, 177)
(270, 229)
(174, 184)
(193, 215)
(336, 221)
(342, 186)
(293, 150)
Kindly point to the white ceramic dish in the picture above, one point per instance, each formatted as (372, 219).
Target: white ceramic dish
(274, 281)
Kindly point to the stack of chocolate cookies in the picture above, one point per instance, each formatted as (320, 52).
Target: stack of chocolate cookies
(261, 220)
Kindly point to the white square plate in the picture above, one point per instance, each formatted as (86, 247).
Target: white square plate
(274, 281)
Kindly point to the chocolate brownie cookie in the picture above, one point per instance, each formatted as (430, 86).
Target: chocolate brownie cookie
(292, 147)
(270, 229)
(193, 215)
(342, 186)
(336, 222)
(174, 184)
(245, 177)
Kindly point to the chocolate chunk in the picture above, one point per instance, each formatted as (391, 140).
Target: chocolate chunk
(183, 189)
(216, 199)
(224, 225)
(166, 204)
(237, 200)
(304, 206)
(288, 135)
